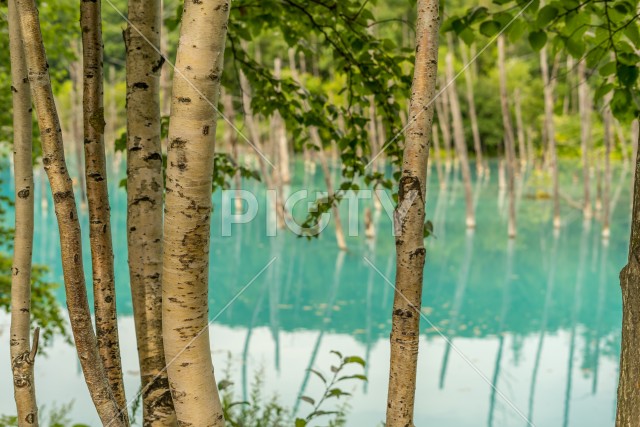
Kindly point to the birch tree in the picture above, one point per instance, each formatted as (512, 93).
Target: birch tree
(185, 302)
(22, 353)
(104, 292)
(409, 222)
(67, 216)
(144, 205)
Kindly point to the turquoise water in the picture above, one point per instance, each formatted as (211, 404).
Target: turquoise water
(514, 332)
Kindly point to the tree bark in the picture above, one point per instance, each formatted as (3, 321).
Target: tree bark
(584, 106)
(65, 208)
(473, 115)
(509, 139)
(628, 411)
(144, 205)
(187, 221)
(458, 137)
(550, 131)
(22, 353)
(104, 292)
(409, 222)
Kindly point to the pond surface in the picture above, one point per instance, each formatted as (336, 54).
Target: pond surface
(538, 317)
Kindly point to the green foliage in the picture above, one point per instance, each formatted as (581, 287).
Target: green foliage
(603, 33)
(45, 309)
(260, 411)
(332, 390)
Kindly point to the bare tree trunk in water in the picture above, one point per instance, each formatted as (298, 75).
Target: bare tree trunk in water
(22, 353)
(144, 205)
(317, 142)
(628, 411)
(522, 151)
(458, 137)
(281, 137)
(608, 141)
(68, 224)
(509, 139)
(187, 220)
(550, 131)
(104, 292)
(436, 152)
(409, 222)
(584, 106)
(473, 115)
(442, 111)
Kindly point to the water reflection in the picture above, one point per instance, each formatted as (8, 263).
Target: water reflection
(538, 317)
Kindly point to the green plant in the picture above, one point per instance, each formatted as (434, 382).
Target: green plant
(331, 391)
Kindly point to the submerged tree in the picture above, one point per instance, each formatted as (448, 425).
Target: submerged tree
(409, 219)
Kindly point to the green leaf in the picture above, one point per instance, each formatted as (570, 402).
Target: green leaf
(353, 377)
(537, 39)
(608, 69)
(575, 46)
(490, 28)
(354, 359)
(602, 91)
(300, 422)
(319, 375)
(308, 400)
(546, 15)
(633, 33)
(627, 74)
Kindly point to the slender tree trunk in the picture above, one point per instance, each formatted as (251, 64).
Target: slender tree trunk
(281, 137)
(584, 106)
(317, 142)
(187, 221)
(436, 152)
(144, 205)
(473, 115)
(104, 292)
(65, 207)
(442, 111)
(550, 131)
(606, 194)
(409, 221)
(458, 136)
(509, 139)
(22, 353)
(522, 151)
(628, 411)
